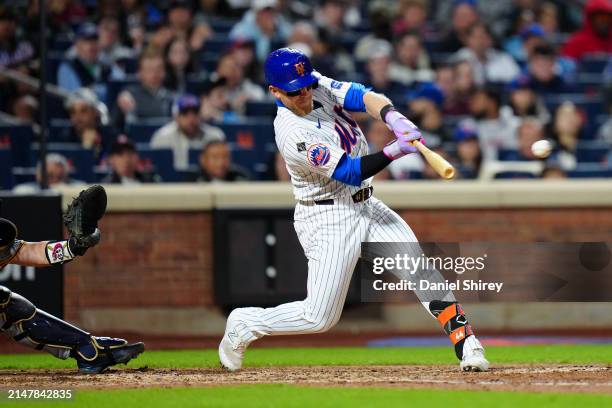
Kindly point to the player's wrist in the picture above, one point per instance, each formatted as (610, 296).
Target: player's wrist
(58, 252)
(385, 110)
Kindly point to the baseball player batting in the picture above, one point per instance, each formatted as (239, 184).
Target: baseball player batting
(26, 324)
(331, 171)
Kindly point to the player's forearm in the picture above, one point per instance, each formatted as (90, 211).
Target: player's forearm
(32, 254)
(44, 253)
(374, 102)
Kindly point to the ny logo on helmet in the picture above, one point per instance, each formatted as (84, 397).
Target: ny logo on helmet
(299, 67)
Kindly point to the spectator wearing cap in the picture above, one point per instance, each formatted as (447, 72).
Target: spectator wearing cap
(489, 64)
(239, 89)
(85, 119)
(496, 127)
(425, 110)
(216, 165)
(378, 71)
(543, 74)
(85, 68)
(595, 36)
(262, 24)
(215, 107)
(464, 15)
(125, 167)
(521, 46)
(182, 25)
(58, 174)
(411, 63)
(186, 131)
(149, 98)
(469, 155)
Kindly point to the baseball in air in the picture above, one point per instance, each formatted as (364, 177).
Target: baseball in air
(541, 149)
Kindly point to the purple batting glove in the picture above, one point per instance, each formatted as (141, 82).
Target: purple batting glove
(400, 125)
(402, 145)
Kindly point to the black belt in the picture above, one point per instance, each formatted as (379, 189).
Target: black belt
(358, 197)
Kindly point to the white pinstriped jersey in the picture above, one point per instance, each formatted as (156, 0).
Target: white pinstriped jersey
(313, 144)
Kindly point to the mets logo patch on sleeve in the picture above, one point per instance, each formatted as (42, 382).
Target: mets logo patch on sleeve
(318, 155)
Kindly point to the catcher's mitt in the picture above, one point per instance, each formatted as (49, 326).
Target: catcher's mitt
(81, 218)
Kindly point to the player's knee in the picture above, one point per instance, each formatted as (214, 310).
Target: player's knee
(325, 321)
(17, 307)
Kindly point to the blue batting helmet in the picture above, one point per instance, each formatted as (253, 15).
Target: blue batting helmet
(289, 70)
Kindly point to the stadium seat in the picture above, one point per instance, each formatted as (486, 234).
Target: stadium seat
(160, 161)
(218, 43)
(19, 138)
(509, 155)
(24, 175)
(261, 109)
(590, 171)
(252, 161)
(208, 61)
(252, 133)
(54, 59)
(221, 26)
(6, 174)
(594, 64)
(194, 157)
(142, 132)
(593, 152)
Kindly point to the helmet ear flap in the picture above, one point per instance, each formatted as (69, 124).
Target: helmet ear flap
(8, 232)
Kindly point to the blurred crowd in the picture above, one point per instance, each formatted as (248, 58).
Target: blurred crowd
(483, 80)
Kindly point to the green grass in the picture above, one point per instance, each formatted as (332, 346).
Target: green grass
(279, 395)
(269, 395)
(261, 357)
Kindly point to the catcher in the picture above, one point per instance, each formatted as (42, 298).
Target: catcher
(26, 324)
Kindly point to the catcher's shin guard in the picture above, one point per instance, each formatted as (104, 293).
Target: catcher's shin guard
(34, 328)
(37, 329)
(454, 322)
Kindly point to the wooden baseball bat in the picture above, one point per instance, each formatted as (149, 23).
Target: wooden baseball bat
(437, 162)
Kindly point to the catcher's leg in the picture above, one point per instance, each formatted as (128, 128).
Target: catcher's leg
(332, 252)
(388, 226)
(34, 328)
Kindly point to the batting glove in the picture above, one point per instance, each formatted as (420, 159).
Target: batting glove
(399, 124)
(402, 145)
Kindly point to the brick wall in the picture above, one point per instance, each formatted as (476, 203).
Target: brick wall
(144, 260)
(164, 260)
